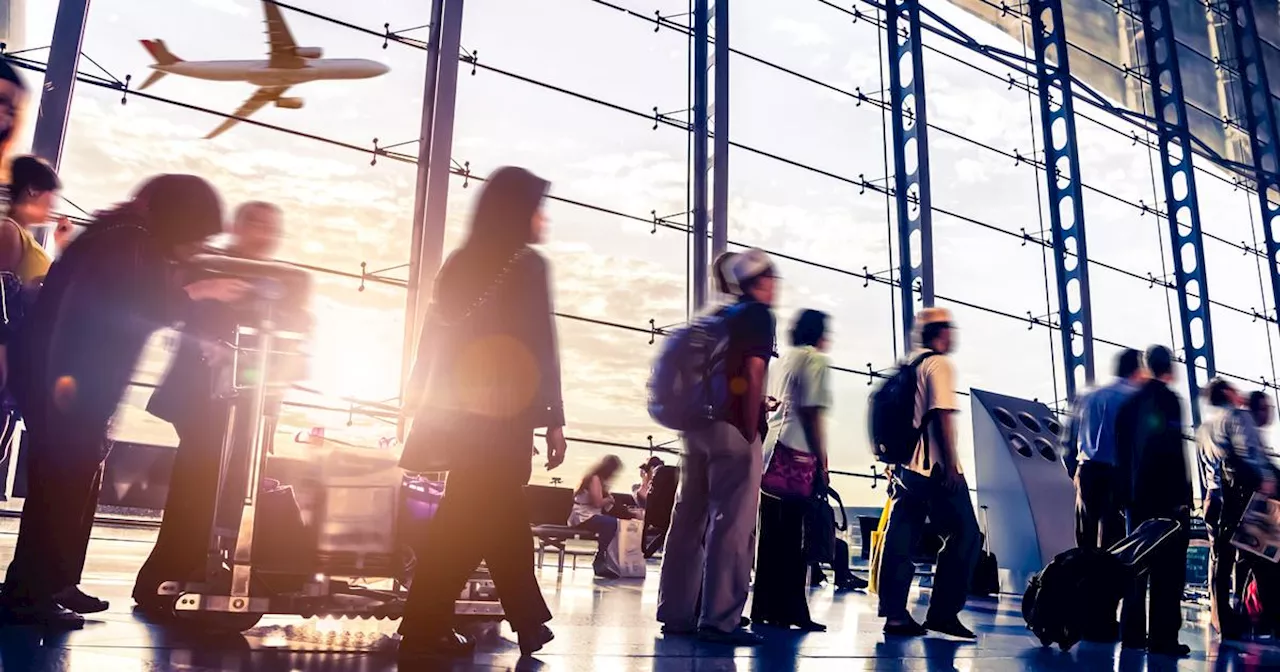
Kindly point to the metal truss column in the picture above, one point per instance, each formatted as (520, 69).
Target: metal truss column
(1183, 209)
(718, 110)
(701, 161)
(910, 156)
(1066, 207)
(60, 80)
(435, 148)
(1260, 115)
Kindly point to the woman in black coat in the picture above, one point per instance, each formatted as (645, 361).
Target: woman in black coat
(70, 364)
(487, 375)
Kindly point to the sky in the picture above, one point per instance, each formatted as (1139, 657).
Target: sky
(342, 211)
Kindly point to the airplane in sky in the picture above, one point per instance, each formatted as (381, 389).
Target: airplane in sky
(288, 65)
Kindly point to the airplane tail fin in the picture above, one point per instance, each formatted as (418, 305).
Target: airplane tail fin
(162, 57)
(160, 52)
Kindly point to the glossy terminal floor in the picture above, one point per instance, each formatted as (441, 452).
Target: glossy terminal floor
(599, 626)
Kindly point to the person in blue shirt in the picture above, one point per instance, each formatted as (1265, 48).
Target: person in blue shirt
(1099, 514)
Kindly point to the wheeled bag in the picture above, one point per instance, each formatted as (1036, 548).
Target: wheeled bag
(1082, 587)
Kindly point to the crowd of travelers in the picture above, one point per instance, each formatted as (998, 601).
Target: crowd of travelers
(751, 521)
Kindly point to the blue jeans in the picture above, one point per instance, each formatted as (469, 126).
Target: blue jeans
(606, 528)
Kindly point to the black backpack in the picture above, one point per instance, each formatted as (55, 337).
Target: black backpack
(894, 434)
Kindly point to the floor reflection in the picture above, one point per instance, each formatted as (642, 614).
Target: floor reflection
(600, 625)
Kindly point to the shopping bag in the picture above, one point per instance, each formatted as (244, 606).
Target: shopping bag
(626, 553)
(877, 542)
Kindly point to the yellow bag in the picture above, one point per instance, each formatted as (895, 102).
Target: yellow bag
(877, 541)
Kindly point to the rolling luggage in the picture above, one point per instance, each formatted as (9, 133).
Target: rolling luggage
(986, 573)
(1084, 586)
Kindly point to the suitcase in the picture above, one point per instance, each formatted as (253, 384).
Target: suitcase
(986, 573)
(1084, 586)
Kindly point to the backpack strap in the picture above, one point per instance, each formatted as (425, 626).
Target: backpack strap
(920, 360)
(924, 417)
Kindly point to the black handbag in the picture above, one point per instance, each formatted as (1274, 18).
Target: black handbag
(821, 526)
(444, 435)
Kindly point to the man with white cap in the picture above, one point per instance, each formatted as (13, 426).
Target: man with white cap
(932, 484)
(710, 545)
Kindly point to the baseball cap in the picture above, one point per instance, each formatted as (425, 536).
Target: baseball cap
(750, 265)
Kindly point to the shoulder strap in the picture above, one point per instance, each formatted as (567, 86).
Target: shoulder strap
(920, 359)
(487, 294)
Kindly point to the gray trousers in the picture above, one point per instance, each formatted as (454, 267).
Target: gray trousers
(915, 497)
(711, 544)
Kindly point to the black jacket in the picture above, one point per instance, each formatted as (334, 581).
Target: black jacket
(1151, 458)
(498, 360)
(98, 307)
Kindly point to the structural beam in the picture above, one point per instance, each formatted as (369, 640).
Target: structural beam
(60, 80)
(1260, 120)
(435, 148)
(698, 278)
(719, 112)
(910, 157)
(1066, 207)
(1182, 207)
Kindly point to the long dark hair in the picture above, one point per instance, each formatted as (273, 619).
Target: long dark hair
(610, 465)
(174, 209)
(501, 224)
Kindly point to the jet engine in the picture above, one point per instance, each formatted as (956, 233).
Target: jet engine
(308, 52)
(289, 103)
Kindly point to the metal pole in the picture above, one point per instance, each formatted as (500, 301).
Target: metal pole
(60, 80)
(701, 140)
(1066, 206)
(719, 110)
(418, 236)
(440, 166)
(1260, 114)
(1182, 206)
(910, 157)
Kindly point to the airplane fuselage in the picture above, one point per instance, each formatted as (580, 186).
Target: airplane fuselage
(260, 73)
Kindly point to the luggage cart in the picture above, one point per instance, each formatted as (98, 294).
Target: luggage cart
(235, 591)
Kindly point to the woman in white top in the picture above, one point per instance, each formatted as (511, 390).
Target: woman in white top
(804, 394)
(590, 501)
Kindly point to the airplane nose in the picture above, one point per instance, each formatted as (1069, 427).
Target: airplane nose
(380, 69)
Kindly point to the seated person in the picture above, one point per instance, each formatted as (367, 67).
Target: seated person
(647, 470)
(846, 580)
(590, 501)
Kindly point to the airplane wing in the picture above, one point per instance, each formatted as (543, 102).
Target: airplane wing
(282, 50)
(257, 101)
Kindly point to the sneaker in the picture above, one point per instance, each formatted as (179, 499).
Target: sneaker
(952, 627)
(735, 638)
(908, 628)
(78, 601)
(533, 640)
(851, 584)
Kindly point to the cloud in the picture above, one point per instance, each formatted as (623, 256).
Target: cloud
(801, 33)
(232, 7)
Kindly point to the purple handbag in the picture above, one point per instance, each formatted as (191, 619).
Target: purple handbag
(790, 473)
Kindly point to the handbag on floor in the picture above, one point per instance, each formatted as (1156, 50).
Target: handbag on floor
(625, 555)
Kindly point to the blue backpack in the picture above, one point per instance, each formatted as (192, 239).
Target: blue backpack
(688, 388)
